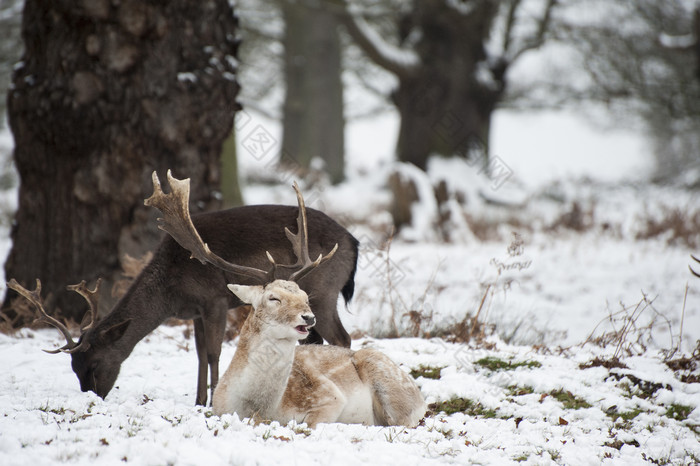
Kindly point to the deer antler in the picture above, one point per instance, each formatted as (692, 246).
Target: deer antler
(300, 243)
(691, 269)
(91, 297)
(177, 222)
(34, 297)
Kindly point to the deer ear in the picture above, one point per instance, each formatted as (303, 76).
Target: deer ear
(247, 294)
(115, 332)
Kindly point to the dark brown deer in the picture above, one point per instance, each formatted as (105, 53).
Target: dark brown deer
(173, 285)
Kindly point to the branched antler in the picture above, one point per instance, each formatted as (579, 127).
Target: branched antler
(691, 269)
(177, 222)
(91, 296)
(34, 297)
(300, 243)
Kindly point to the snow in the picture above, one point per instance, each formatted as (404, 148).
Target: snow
(150, 417)
(547, 297)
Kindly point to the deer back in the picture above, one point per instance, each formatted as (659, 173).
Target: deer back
(243, 235)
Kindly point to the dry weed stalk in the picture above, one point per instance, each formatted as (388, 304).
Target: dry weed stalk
(628, 337)
(474, 327)
(418, 314)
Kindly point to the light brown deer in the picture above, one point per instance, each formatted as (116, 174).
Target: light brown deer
(270, 377)
(172, 285)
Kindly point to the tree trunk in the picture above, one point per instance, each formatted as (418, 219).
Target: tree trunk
(444, 107)
(107, 93)
(313, 106)
(231, 194)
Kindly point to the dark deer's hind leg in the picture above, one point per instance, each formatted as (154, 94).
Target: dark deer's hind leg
(202, 371)
(214, 323)
(328, 324)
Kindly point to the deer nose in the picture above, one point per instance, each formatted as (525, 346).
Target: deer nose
(309, 319)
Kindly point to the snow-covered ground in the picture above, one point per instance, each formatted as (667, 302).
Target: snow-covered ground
(548, 411)
(546, 265)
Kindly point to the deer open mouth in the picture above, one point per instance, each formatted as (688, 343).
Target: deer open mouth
(303, 329)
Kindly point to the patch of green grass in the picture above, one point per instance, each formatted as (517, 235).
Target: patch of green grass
(569, 400)
(496, 364)
(679, 412)
(428, 372)
(634, 386)
(623, 419)
(514, 390)
(463, 405)
(47, 409)
(303, 430)
(614, 414)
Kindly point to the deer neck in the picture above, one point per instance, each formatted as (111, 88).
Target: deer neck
(143, 304)
(260, 369)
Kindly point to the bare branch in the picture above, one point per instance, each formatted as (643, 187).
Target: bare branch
(510, 25)
(537, 40)
(392, 58)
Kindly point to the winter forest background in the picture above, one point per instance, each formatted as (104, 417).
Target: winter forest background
(523, 176)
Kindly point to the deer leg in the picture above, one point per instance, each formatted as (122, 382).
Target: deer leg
(214, 329)
(328, 324)
(200, 345)
(329, 403)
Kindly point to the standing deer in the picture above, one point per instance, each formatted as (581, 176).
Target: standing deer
(172, 285)
(270, 378)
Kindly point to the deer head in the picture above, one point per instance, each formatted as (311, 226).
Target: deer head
(282, 306)
(98, 378)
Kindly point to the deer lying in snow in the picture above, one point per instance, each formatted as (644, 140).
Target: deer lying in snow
(272, 378)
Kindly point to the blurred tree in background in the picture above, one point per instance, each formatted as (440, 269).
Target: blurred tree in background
(451, 59)
(313, 118)
(106, 93)
(295, 48)
(10, 46)
(642, 58)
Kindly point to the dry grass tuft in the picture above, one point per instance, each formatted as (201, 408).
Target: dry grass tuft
(576, 218)
(629, 337)
(678, 226)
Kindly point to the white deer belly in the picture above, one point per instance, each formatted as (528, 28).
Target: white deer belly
(358, 407)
